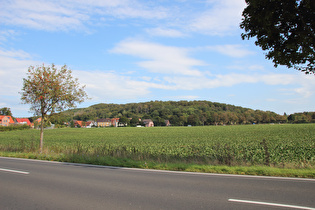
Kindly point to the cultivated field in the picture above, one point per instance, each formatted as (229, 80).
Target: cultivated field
(284, 146)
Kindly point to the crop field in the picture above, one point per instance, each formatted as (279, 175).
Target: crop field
(286, 145)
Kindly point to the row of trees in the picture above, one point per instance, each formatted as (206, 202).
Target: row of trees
(179, 113)
(182, 113)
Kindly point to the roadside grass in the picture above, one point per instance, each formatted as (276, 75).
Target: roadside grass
(180, 166)
(264, 150)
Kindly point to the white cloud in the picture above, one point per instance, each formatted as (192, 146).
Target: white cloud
(19, 54)
(222, 18)
(43, 15)
(256, 67)
(72, 14)
(197, 83)
(12, 71)
(105, 85)
(160, 58)
(164, 32)
(102, 86)
(236, 50)
(305, 84)
(5, 34)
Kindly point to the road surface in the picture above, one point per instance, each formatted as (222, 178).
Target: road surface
(30, 184)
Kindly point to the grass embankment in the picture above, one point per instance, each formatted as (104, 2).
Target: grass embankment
(272, 150)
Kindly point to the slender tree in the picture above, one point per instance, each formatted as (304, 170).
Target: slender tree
(48, 90)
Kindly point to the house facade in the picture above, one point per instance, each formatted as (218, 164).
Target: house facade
(148, 123)
(107, 122)
(6, 120)
(104, 122)
(90, 124)
(115, 122)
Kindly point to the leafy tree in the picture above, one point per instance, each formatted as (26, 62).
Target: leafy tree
(48, 90)
(174, 120)
(124, 120)
(72, 125)
(134, 121)
(5, 111)
(286, 29)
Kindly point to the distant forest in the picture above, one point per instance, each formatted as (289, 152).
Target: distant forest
(182, 113)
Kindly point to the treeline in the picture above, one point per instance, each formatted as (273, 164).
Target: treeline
(182, 113)
(305, 117)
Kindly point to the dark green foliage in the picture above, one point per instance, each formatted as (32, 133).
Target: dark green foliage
(14, 127)
(124, 121)
(5, 111)
(305, 117)
(285, 29)
(179, 113)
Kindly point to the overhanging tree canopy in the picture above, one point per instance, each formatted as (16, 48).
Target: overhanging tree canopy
(284, 28)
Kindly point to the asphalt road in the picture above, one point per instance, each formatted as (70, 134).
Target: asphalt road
(27, 184)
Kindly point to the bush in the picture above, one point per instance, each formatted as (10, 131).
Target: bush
(14, 127)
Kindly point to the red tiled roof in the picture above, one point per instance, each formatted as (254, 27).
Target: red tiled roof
(10, 118)
(78, 122)
(23, 120)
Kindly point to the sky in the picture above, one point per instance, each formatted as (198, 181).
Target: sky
(129, 51)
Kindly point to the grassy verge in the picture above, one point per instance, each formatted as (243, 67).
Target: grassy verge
(180, 166)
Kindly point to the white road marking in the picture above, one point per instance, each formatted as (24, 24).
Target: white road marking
(171, 172)
(14, 171)
(271, 204)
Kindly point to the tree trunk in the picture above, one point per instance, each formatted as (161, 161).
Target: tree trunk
(41, 142)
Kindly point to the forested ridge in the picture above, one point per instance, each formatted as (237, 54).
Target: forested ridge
(181, 113)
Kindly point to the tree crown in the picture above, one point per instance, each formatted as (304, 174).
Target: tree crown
(48, 89)
(286, 29)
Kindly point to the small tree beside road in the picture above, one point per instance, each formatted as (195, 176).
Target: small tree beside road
(48, 90)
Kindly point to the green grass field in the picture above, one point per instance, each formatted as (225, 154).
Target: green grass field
(244, 149)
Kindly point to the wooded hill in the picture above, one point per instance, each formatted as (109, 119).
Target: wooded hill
(181, 113)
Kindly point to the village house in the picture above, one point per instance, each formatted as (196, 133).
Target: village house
(78, 123)
(148, 123)
(6, 120)
(23, 121)
(115, 122)
(107, 122)
(104, 122)
(83, 124)
(90, 124)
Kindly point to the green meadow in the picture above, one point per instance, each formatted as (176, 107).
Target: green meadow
(276, 150)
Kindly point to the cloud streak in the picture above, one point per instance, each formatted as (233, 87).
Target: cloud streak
(72, 14)
(165, 32)
(235, 51)
(159, 58)
(222, 18)
(219, 17)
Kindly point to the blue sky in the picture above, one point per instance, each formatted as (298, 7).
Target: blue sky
(128, 51)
